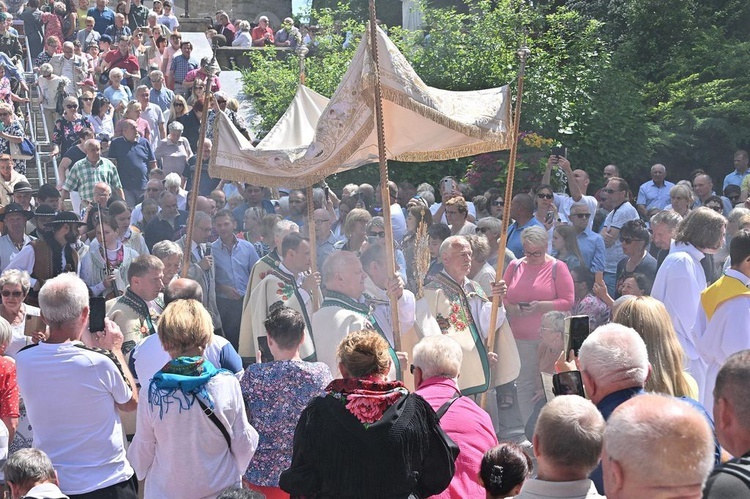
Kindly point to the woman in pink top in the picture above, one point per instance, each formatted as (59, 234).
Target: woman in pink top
(537, 284)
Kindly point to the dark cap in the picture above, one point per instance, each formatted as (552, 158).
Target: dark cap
(47, 191)
(66, 217)
(15, 208)
(44, 210)
(22, 187)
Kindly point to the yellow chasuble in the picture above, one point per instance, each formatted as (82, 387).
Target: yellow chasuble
(722, 290)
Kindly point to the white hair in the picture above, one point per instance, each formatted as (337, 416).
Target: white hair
(338, 263)
(114, 72)
(535, 236)
(452, 241)
(175, 126)
(165, 249)
(614, 353)
(352, 189)
(172, 180)
(6, 333)
(283, 228)
(63, 298)
(660, 440)
(438, 356)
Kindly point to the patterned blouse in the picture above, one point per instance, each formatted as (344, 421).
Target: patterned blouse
(597, 310)
(66, 132)
(275, 394)
(16, 130)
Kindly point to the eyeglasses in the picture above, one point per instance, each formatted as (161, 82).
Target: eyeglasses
(376, 234)
(581, 215)
(533, 254)
(87, 99)
(609, 191)
(626, 240)
(498, 203)
(14, 294)
(482, 230)
(412, 367)
(545, 196)
(72, 106)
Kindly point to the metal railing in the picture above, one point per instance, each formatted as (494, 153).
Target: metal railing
(35, 112)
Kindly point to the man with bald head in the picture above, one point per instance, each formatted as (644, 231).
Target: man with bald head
(86, 173)
(578, 183)
(653, 195)
(703, 186)
(609, 172)
(522, 211)
(134, 158)
(658, 447)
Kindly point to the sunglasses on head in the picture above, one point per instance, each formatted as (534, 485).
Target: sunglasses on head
(545, 196)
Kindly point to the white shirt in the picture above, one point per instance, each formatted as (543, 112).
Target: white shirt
(70, 394)
(616, 219)
(539, 489)
(726, 333)
(187, 442)
(398, 222)
(678, 284)
(26, 258)
(563, 204)
(8, 249)
(436, 206)
(155, 117)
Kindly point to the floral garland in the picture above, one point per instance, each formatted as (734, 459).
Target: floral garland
(367, 399)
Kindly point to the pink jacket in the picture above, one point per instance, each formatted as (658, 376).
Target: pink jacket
(470, 427)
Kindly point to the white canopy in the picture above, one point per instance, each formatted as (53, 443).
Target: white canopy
(317, 137)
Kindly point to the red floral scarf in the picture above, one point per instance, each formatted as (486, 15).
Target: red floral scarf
(366, 398)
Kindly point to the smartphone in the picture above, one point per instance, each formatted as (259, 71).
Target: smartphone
(560, 151)
(97, 313)
(576, 331)
(549, 217)
(207, 251)
(34, 324)
(265, 352)
(448, 185)
(328, 193)
(568, 383)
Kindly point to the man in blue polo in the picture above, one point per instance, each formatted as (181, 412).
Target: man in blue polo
(103, 16)
(134, 159)
(590, 244)
(522, 211)
(653, 196)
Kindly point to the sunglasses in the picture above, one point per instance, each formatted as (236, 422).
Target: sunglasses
(376, 234)
(200, 87)
(177, 104)
(221, 101)
(72, 106)
(545, 196)
(14, 294)
(498, 203)
(581, 215)
(533, 254)
(609, 191)
(87, 99)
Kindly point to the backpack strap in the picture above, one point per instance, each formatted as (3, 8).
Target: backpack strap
(738, 470)
(447, 405)
(215, 420)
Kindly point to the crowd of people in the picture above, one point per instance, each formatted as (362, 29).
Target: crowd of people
(263, 356)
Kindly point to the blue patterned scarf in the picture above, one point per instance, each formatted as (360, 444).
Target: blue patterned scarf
(181, 380)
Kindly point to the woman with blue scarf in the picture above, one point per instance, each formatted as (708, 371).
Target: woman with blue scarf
(192, 436)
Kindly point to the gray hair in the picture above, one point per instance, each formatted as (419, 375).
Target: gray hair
(156, 74)
(660, 425)
(425, 187)
(283, 228)
(351, 188)
(536, 236)
(175, 126)
(152, 14)
(737, 214)
(731, 384)
(70, 100)
(428, 196)
(376, 222)
(670, 218)
(337, 263)
(165, 249)
(27, 467)
(62, 299)
(614, 353)
(15, 276)
(452, 241)
(438, 356)
(200, 216)
(480, 246)
(243, 26)
(172, 180)
(555, 319)
(570, 431)
(492, 224)
(115, 71)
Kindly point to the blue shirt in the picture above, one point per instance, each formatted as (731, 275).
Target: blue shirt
(592, 248)
(181, 67)
(116, 33)
(102, 18)
(514, 236)
(735, 178)
(132, 159)
(162, 99)
(652, 196)
(233, 265)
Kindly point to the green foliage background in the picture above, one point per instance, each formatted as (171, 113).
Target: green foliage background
(630, 82)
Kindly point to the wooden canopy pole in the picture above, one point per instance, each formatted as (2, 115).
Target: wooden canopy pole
(193, 195)
(385, 194)
(523, 54)
(313, 243)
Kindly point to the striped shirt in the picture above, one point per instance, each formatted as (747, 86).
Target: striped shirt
(181, 67)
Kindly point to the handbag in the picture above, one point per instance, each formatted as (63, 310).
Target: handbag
(60, 97)
(104, 77)
(24, 150)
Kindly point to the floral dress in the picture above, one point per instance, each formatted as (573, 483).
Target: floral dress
(53, 27)
(5, 90)
(16, 130)
(66, 132)
(275, 394)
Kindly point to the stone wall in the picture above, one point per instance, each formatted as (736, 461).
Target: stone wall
(251, 10)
